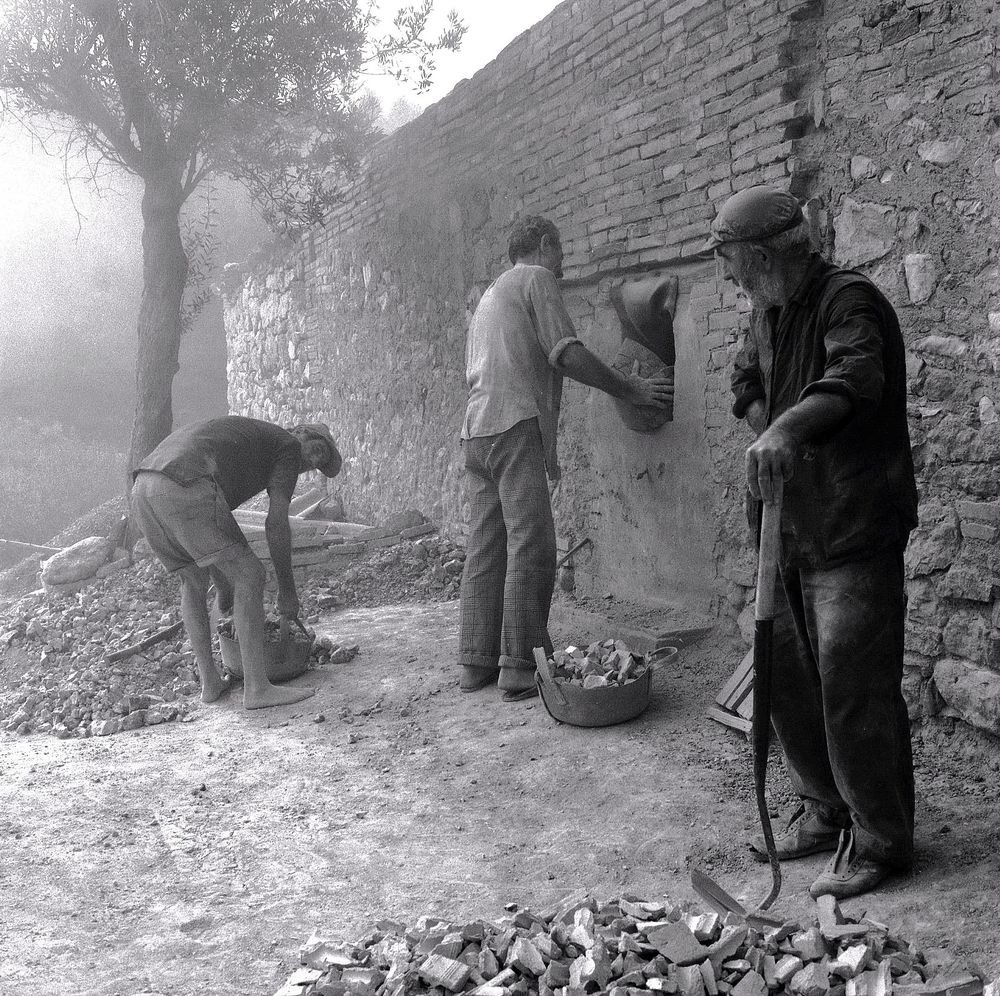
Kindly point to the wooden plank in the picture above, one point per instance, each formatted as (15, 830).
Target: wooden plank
(258, 538)
(732, 688)
(305, 500)
(744, 707)
(32, 546)
(258, 518)
(720, 715)
(313, 511)
(254, 520)
(744, 692)
(347, 528)
(303, 558)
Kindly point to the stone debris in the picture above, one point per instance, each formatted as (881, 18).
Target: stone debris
(70, 689)
(610, 662)
(66, 629)
(325, 650)
(428, 568)
(625, 947)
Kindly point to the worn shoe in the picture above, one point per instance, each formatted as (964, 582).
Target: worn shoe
(517, 683)
(848, 874)
(473, 678)
(522, 695)
(808, 832)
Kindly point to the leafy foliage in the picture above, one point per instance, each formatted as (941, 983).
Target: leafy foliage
(200, 238)
(176, 91)
(262, 90)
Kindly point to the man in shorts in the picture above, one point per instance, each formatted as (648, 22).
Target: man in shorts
(182, 501)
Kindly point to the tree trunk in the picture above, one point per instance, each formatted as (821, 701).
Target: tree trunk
(164, 274)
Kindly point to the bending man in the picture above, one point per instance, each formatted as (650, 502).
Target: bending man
(182, 500)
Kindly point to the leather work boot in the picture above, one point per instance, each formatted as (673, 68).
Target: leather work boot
(473, 678)
(848, 874)
(807, 832)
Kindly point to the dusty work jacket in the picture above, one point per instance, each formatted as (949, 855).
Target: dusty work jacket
(853, 492)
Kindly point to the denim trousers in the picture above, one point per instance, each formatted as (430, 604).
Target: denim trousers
(837, 703)
(510, 562)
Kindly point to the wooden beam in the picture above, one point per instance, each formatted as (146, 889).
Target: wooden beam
(33, 546)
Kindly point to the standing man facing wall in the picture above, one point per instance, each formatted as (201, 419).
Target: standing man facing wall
(521, 343)
(821, 380)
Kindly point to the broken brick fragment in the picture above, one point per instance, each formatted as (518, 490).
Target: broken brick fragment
(445, 972)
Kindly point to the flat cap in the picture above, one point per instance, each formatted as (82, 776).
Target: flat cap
(331, 467)
(753, 214)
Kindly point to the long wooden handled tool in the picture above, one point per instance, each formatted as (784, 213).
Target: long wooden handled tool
(763, 638)
(764, 610)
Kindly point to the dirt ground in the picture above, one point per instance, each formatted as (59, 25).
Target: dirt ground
(195, 858)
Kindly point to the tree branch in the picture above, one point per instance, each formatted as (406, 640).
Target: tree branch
(133, 87)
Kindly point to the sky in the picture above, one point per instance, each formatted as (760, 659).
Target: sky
(492, 25)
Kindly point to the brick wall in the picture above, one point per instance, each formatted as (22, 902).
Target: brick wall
(629, 123)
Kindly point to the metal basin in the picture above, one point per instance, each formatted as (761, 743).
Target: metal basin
(571, 703)
(286, 654)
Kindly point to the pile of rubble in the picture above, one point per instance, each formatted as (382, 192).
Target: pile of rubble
(601, 664)
(72, 687)
(423, 570)
(628, 947)
(69, 631)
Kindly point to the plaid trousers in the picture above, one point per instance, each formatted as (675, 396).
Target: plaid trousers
(510, 562)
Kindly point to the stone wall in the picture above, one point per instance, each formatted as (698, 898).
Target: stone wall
(629, 123)
(908, 189)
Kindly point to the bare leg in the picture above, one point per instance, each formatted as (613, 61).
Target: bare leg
(194, 612)
(223, 591)
(246, 575)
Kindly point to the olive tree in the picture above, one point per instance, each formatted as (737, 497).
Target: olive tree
(177, 91)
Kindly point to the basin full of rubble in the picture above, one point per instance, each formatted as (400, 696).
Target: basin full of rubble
(609, 662)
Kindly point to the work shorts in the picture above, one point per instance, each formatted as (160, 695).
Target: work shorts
(184, 524)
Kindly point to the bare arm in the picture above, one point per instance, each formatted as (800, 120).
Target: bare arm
(279, 543)
(580, 364)
(278, 532)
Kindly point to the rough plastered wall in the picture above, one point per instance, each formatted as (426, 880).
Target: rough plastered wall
(629, 123)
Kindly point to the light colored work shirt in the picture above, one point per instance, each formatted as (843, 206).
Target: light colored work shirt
(516, 337)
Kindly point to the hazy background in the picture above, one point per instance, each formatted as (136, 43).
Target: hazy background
(70, 279)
